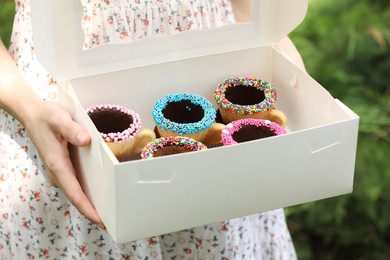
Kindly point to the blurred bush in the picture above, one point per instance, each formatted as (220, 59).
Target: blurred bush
(7, 10)
(345, 45)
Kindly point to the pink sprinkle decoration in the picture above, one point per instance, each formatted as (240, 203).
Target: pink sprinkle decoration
(235, 126)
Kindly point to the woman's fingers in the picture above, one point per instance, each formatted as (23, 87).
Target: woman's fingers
(51, 131)
(68, 129)
(62, 174)
(68, 183)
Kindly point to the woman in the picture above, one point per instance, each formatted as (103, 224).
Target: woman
(43, 210)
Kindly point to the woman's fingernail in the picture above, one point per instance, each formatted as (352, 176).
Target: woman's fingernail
(81, 138)
(101, 226)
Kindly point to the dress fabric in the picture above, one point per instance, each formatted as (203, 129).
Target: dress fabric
(120, 21)
(38, 222)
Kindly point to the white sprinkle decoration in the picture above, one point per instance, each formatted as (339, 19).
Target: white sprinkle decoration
(125, 135)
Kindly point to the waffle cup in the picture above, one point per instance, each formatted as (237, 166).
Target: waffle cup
(272, 114)
(213, 137)
(171, 145)
(183, 114)
(117, 126)
(197, 136)
(249, 129)
(243, 98)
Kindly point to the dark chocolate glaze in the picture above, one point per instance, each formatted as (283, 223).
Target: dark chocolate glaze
(252, 132)
(170, 149)
(111, 121)
(183, 112)
(244, 95)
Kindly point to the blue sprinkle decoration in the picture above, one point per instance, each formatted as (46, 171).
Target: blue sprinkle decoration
(184, 128)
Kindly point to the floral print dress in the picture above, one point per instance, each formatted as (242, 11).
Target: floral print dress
(36, 219)
(120, 21)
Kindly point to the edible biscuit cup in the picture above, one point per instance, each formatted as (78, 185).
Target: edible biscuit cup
(183, 114)
(242, 97)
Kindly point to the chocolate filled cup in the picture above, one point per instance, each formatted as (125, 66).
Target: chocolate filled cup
(244, 130)
(117, 126)
(183, 114)
(171, 145)
(242, 97)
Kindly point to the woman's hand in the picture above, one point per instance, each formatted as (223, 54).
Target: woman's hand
(51, 128)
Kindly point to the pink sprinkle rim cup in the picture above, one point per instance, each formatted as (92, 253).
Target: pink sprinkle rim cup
(235, 126)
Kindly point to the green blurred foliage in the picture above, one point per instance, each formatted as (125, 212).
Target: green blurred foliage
(7, 10)
(345, 45)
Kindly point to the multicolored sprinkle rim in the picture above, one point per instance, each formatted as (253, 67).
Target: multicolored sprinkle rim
(235, 126)
(126, 134)
(186, 142)
(269, 92)
(184, 128)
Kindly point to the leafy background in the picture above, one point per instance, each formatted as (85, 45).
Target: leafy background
(7, 10)
(345, 46)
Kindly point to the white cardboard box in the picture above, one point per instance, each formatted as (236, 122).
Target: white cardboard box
(142, 198)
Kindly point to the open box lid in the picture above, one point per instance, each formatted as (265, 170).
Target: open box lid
(58, 38)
